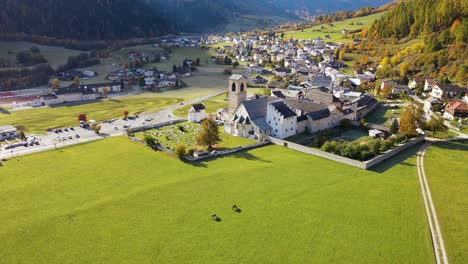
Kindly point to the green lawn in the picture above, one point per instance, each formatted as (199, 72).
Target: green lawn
(381, 115)
(171, 136)
(334, 31)
(40, 119)
(115, 201)
(355, 135)
(212, 105)
(447, 173)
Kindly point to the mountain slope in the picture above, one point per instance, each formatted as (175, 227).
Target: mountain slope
(84, 19)
(322, 7)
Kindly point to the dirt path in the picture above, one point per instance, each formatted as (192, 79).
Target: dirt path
(437, 240)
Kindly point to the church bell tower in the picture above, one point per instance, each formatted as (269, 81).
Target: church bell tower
(237, 91)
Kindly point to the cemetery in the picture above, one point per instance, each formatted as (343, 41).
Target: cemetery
(185, 133)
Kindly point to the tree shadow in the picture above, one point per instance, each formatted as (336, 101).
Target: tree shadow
(114, 100)
(4, 111)
(453, 145)
(199, 164)
(399, 158)
(70, 104)
(248, 156)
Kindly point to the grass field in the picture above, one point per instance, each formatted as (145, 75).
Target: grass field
(40, 119)
(355, 135)
(447, 173)
(212, 105)
(54, 55)
(381, 115)
(334, 31)
(171, 136)
(115, 201)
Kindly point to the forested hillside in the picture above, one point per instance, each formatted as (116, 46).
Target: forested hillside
(84, 19)
(427, 37)
(421, 17)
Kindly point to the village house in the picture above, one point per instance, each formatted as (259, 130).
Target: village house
(8, 132)
(430, 103)
(456, 109)
(447, 90)
(112, 87)
(197, 113)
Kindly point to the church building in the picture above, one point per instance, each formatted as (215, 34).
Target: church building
(282, 117)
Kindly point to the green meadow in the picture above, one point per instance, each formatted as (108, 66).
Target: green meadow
(447, 173)
(115, 201)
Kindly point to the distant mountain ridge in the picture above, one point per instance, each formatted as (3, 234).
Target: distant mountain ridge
(324, 7)
(119, 19)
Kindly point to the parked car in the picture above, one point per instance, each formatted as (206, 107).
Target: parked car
(70, 137)
(63, 138)
(77, 136)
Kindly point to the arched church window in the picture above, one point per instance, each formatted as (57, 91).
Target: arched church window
(233, 88)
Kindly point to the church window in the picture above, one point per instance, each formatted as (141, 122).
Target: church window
(242, 87)
(233, 88)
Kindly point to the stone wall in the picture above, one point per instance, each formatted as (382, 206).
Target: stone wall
(355, 163)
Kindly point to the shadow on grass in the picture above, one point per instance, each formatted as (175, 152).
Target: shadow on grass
(454, 145)
(399, 158)
(240, 155)
(4, 111)
(114, 100)
(75, 103)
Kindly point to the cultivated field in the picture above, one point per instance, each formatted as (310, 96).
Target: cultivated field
(55, 55)
(40, 119)
(115, 201)
(447, 173)
(334, 31)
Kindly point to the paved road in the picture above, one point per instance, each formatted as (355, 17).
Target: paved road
(109, 129)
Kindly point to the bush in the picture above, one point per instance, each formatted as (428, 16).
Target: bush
(385, 145)
(180, 151)
(181, 128)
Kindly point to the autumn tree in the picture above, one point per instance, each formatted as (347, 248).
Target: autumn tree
(76, 81)
(55, 84)
(404, 67)
(104, 91)
(82, 118)
(97, 129)
(209, 135)
(364, 32)
(125, 113)
(409, 120)
(341, 56)
(180, 151)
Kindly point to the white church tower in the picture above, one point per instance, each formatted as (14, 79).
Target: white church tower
(237, 92)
